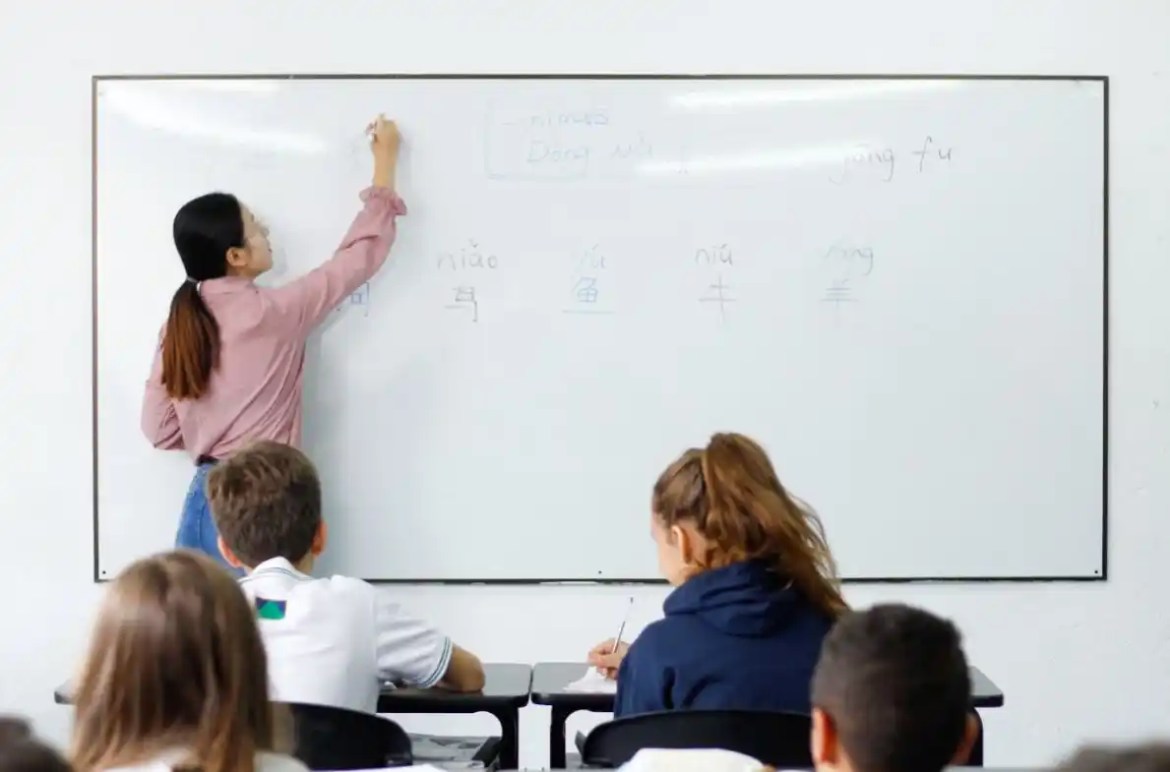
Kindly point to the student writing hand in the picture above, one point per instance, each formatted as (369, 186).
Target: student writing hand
(605, 659)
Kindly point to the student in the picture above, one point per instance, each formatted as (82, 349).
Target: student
(892, 692)
(230, 363)
(176, 676)
(756, 590)
(330, 641)
(1150, 757)
(21, 752)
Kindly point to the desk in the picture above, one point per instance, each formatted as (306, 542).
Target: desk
(505, 691)
(549, 680)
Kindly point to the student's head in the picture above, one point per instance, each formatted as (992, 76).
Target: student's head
(13, 729)
(266, 501)
(723, 504)
(891, 693)
(21, 752)
(175, 662)
(1151, 757)
(216, 236)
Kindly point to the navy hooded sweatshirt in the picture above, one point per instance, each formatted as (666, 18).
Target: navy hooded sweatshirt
(734, 638)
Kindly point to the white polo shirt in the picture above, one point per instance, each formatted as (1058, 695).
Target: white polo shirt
(334, 641)
(696, 759)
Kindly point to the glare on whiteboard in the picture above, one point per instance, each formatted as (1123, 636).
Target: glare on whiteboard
(718, 97)
(159, 112)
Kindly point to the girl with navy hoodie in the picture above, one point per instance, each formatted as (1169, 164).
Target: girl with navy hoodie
(756, 591)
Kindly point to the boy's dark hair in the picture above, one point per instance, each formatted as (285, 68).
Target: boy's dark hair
(21, 752)
(894, 681)
(13, 729)
(1152, 757)
(266, 501)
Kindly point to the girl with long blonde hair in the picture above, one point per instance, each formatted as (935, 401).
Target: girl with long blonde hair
(176, 676)
(756, 590)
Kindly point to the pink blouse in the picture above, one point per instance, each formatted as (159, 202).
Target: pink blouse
(255, 392)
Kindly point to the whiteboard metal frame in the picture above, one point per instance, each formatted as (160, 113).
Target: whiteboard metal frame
(1103, 576)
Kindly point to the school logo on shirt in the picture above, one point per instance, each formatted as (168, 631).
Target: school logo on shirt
(270, 609)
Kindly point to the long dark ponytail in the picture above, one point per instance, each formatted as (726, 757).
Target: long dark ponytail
(204, 230)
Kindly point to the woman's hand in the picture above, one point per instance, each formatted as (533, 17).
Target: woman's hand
(384, 142)
(384, 137)
(606, 659)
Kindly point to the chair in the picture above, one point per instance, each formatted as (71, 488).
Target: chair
(339, 739)
(778, 739)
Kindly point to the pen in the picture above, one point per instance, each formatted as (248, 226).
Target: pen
(617, 641)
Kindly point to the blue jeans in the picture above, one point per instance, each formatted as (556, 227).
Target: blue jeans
(196, 525)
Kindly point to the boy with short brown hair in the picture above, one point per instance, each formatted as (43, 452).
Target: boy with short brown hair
(330, 641)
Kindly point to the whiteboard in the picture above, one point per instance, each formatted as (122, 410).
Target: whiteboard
(897, 285)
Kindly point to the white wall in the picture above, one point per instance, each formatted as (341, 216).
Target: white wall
(1076, 661)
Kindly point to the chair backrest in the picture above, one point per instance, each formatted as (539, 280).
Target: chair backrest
(778, 739)
(339, 739)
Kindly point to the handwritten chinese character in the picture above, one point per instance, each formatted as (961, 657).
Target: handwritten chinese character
(586, 289)
(465, 300)
(838, 292)
(717, 293)
(849, 267)
(585, 295)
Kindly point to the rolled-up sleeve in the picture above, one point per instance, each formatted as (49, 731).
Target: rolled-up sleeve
(365, 247)
(409, 650)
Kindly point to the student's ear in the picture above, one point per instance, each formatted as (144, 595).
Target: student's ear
(681, 538)
(970, 735)
(320, 539)
(823, 743)
(237, 257)
(228, 555)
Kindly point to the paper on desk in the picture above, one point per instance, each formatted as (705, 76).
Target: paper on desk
(592, 682)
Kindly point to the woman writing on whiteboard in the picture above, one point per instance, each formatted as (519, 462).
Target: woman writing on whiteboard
(230, 364)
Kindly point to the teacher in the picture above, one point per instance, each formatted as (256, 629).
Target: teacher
(229, 368)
